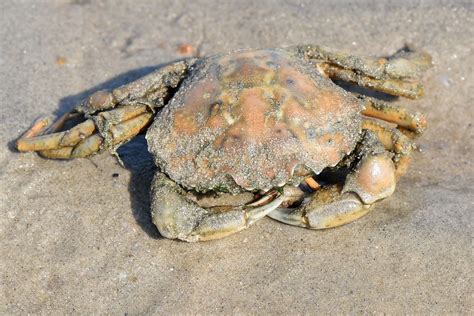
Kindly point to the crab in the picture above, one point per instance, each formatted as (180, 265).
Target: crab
(254, 133)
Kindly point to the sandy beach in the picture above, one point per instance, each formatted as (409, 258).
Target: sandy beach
(77, 238)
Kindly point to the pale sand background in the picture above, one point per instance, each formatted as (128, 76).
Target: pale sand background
(76, 239)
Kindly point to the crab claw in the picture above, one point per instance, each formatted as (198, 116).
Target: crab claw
(178, 217)
(325, 208)
(373, 179)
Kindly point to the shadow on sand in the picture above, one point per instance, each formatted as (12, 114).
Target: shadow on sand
(134, 154)
(139, 161)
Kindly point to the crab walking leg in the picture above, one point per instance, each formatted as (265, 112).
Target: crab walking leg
(152, 89)
(396, 75)
(38, 127)
(155, 87)
(407, 89)
(85, 148)
(312, 183)
(395, 141)
(409, 62)
(59, 123)
(131, 100)
(119, 114)
(410, 120)
(91, 145)
(119, 125)
(114, 122)
(372, 179)
(130, 128)
(57, 140)
(176, 216)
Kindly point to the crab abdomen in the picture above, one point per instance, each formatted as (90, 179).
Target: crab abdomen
(247, 119)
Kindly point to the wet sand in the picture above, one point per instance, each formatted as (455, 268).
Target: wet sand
(76, 236)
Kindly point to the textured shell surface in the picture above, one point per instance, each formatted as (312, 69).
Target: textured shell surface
(249, 120)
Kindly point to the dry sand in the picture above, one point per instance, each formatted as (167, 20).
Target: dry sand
(76, 238)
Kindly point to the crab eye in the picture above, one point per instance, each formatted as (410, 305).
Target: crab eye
(290, 81)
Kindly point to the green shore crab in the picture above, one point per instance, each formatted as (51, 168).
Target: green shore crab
(251, 133)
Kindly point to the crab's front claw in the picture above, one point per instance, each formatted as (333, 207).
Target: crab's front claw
(325, 208)
(178, 217)
(373, 179)
(335, 205)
